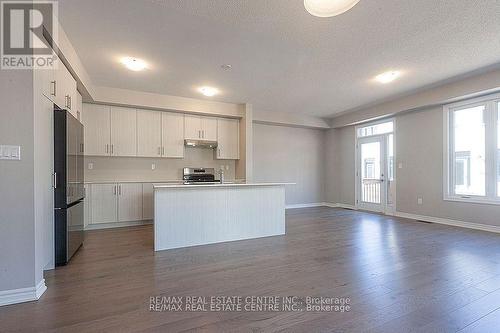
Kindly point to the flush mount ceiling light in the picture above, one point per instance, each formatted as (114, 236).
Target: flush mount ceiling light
(208, 91)
(388, 77)
(328, 8)
(134, 64)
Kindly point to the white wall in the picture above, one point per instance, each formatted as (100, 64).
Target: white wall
(290, 154)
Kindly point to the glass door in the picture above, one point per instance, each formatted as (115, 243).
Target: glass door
(372, 173)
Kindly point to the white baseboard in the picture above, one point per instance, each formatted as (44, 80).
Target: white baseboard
(346, 206)
(117, 225)
(22, 295)
(308, 205)
(455, 223)
(321, 204)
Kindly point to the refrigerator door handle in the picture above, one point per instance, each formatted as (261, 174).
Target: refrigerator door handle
(55, 180)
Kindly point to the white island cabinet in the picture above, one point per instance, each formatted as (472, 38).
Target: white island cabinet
(189, 215)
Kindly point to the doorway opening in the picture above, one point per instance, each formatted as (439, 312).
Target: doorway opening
(375, 170)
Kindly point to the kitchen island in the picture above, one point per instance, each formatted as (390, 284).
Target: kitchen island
(189, 215)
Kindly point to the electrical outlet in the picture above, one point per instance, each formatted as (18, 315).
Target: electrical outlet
(90, 166)
(10, 153)
(227, 167)
(420, 201)
(153, 166)
(400, 165)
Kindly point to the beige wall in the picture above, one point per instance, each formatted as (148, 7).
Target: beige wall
(340, 165)
(17, 221)
(139, 169)
(419, 147)
(289, 154)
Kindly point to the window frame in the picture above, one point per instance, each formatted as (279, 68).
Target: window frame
(492, 159)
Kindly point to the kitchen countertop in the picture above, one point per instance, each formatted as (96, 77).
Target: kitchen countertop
(227, 184)
(178, 182)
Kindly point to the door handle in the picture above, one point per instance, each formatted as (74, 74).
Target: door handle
(53, 92)
(55, 180)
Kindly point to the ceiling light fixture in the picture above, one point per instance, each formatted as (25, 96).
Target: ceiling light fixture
(226, 67)
(134, 64)
(388, 77)
(208, 91)
(328, 8)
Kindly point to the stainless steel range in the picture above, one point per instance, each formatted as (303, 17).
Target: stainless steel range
(199, 176)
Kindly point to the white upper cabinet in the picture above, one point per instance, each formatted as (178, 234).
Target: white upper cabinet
(97, 125)
(196, 128)
(172, 134)
(65, 88)
(79, 107)
(123, 131)
(228, 134)
(192, 127)
(209, 128)
(149, 133)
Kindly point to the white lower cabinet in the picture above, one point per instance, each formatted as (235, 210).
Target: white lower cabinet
(104, 203)
(118, 203)
(129, 202)
(147, 201)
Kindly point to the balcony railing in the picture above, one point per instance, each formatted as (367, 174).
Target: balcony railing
(371, 191)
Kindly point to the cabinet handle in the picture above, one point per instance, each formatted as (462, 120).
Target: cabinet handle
(119, 190)
(70, 102)
(114, 190)
(55, 180)
(53, 92)
(199, 134)
(107, 149)
(218, 151)
(159, 151)
(112, 149)
(163, 151)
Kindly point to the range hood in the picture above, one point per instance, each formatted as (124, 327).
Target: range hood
(200, 143)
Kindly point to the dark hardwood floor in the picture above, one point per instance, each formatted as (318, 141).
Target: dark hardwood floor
(400, 275)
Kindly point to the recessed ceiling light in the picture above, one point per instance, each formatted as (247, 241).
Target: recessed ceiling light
(226, 67)
(208, 91)
(134, 64)
(388, 77)
(328, 8)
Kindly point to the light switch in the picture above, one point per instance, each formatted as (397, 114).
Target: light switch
(90, 166)
(153, 166)
(400, 166)
(10, 152)
(420, 201)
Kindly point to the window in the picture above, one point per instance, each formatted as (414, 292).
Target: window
(370, 168)
(376, 129)
(498, 149)
(472, 154)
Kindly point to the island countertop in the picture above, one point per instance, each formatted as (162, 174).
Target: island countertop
(210, 185)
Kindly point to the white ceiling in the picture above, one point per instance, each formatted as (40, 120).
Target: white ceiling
(283, 58)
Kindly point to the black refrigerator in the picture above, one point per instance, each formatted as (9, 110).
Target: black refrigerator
(69, 192)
